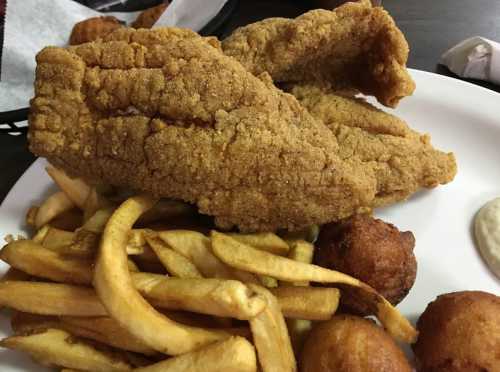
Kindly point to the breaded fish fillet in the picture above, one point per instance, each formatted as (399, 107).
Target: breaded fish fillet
(165, 111)
(402, 160)
(356, 45)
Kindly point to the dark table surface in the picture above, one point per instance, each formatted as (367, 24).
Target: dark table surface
(431, 27)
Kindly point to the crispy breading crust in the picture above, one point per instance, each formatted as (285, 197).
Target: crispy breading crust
(166, 112)
(402, 160)
(356, 45)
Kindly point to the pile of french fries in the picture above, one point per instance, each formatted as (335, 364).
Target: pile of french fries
(90, 291)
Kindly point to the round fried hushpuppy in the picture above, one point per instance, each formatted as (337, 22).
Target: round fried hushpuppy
(351, 344)
(372, 251)
(460, 332)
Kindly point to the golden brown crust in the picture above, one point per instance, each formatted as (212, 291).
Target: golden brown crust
(402, 160)
(460, 332)
(165, 111)
(148, 17)
(93, 28)
(356, 45)
(351, 344)
(372, 251)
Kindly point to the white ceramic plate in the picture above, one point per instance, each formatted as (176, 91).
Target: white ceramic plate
(462, 118)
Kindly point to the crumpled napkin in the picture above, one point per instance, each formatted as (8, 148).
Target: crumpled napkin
(475, 58)
(30, 25)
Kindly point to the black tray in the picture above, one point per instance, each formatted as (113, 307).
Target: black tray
(8, 119)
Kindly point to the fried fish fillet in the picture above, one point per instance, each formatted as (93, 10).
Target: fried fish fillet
(165, 111)
(401, 159)
(356, 46)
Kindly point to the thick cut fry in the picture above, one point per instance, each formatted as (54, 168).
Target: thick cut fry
(301, 251)
(74, 188)
(268, 242)
(232, 355)
(55, 346)
(244, 257)
(53, 206)
(270, 336)
(50, 298)
(94, 202)
(57, 238)
(175, 263)
(23, 323)
(34, 259)
(69, 220)
(98, 220)
(197, 248)
(105, 330)
(40, 234)
(114, 287)
(225, 298)
(312, 303)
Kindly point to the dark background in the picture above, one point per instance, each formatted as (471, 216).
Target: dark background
(431, 27)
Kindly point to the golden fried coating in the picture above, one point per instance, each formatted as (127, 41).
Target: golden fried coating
(373, 251)
(356, 45)
(402, 160)
(460, 332)
(93, 28)
(351, 344)
(165, 111)
(148, 17)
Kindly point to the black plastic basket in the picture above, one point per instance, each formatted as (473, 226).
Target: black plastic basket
(9, 119)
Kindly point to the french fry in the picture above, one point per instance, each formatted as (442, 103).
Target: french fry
(270, 336)
(40, 234)
(55, 346)
(309, 234)
(50, 298)
(55, 238)
(235, 354)
(94, 202)
(115, 289)
(98, 220)
(197, 248)
(312, 303)
(244, 257)
(175, 263)
(53, 206)
(105, 330)
(268, 281)
(268, 242)
(34, 259)
(300, 251)
(225, 298)
(74, 188)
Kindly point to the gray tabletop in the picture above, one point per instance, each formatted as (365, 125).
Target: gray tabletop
(431, 27)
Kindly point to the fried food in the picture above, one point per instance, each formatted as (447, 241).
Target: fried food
(148, 17)
(356, 46)
(114, 286)
(351, 344)
(460, 332)
(57, 347)
(232, 355)
(101, 109)
(53, 206)
(93, 28)
(372, 251)
(401, 160)
(270, 336)
(244, 257)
